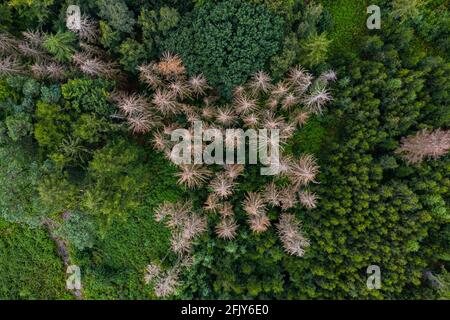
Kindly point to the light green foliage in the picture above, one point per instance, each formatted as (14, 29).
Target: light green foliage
(60, 45)
(404, 9)
(114, 268)
(30, 267)
(19, 175)
(349, 25)
(227, 41)
(50, 128)
(115, 180)
(79, 229)
(314, 50)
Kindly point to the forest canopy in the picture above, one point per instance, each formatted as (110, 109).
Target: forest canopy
(87, 177)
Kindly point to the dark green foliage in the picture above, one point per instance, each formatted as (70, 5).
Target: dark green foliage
(26, 13)
(64, 157)
(247, 268)
(433, 25)
(373, 211)
(132, 54)
(310, 139)
(156, 26)
(305, 41)
(116, 12)
(19, 126)
(227, 41)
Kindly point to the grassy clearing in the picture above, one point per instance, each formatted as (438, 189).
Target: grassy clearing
(30, 267)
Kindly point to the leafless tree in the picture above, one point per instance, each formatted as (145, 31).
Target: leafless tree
(140, 123)
(193, 175)
(132, 104)
(34, 37)
(179, 88)
(244, 104)
(260, 82)
(308, 199)
(272, 103)
(259, 223)
(233, 171)
(226, 229)
(317, 99)
(166, 286)
(28, 51)
(238, 91)
(424, 144)
(225, 115)
(170, 66)
(329, 75)
(96, 67)
(208, 112)
(251, 120)
(226, 210)
(198, 85)
(212, 203)
(159, 141)
(294, 242)
(272, 121)
(272, 194)
(92, 50)
(152, 272)
(254, 203)
(50, 70)
(288, 198)
(194, 226)
(165, 101)
(289, 101)
(222, 186)
(280, 90)
(8, 44)
(10, 66)
(300, 118)
(300, 79)
(148, 75)
(304, 170)
(88, 30)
